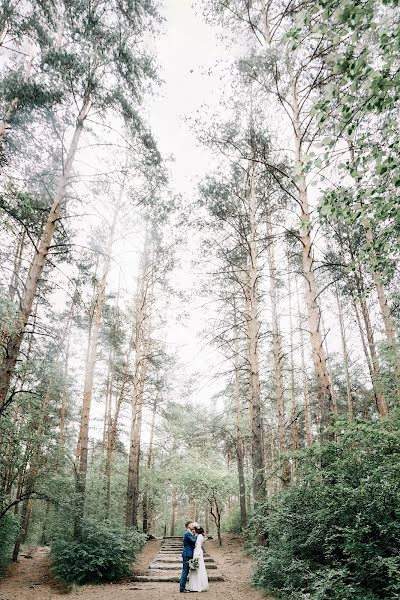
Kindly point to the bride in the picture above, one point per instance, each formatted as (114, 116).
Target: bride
(198, 580)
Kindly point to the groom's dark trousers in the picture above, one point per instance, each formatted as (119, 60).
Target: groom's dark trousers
(189, 542)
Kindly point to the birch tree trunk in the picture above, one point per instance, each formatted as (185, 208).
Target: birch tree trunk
(8, 364)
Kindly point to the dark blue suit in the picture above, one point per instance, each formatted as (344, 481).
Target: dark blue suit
(189, 542)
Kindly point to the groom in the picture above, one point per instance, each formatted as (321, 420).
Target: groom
(189, 542)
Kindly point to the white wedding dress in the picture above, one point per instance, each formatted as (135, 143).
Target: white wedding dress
(198, 580)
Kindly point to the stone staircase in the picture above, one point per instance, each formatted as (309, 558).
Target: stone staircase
(167, 565)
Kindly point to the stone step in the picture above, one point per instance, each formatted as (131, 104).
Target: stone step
(174, 567)
(178, 560)
(169, 577)
(175, 554)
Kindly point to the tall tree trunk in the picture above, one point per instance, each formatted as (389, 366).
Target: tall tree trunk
(346, 361)
(113, 428)
(149, 463)
(313, 309)
(278, 358)
(83, 439)
(294, 431)
(377, 278)
(328, 365)
(371, 355)
(239, 435)
(257, 451)
(7, 366)
(174, 506)
(132, 500)
(306, 391)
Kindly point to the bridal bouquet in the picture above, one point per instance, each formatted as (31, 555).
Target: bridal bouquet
(193, 564)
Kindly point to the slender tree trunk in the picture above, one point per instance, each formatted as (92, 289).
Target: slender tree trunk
(83, 440)
(294, 431)
(328, 365)
(113, 428)
(370, 352)
(174, 505)
(313, 309)
(377, 278)
(239, 434)
(132, 503)
(7, 366)
(306, 391)
(149, 463)
(346, 361)
(387, 319)
(278, 358)
(257, 451)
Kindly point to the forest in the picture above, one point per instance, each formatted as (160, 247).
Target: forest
(279, 420)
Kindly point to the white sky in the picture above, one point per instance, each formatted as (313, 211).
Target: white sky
(187, 54)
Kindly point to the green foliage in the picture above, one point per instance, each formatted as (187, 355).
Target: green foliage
(232, 522)
(105, 552)
(335, 533)
(8, 531)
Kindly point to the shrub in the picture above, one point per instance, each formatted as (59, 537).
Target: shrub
(9, 528)
(231, 523)
(104, 553)
(335, 533)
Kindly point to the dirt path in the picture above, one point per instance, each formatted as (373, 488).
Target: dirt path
(30, 579)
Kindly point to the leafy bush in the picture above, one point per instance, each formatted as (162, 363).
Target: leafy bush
(231, 524)
(335, 533)
(8, 532)
(104, 553)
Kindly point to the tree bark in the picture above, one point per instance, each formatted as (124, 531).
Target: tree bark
(8, 364)
(313, 309)
(257, 451)
(83, 439)
(306, 391)
(278, 358)
(132, 503)
(371, 355)
(294, 430)
(149, 463)
(142, 341)
(13, 287)
(174, 505)
(238, 422)
(346, 361)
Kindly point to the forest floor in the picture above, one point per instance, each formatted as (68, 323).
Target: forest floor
(30, 579)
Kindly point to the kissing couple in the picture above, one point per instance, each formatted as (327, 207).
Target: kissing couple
(193, 559)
